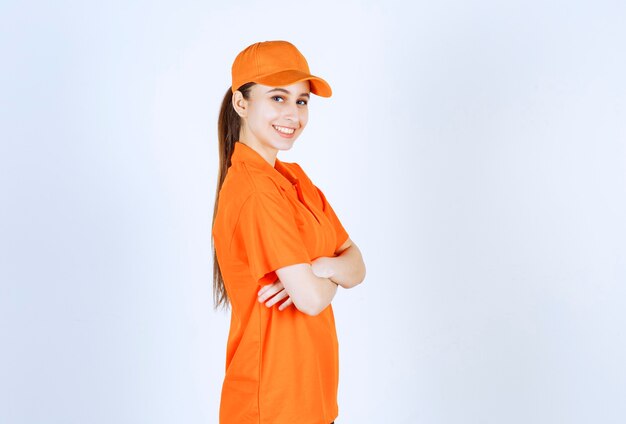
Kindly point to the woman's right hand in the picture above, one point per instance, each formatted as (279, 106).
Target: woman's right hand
(278, 292)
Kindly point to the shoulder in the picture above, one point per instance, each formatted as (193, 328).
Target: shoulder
(244, 188)
(242, 181)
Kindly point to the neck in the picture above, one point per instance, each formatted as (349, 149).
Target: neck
(268, 154)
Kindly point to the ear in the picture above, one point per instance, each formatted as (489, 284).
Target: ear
(240, 104)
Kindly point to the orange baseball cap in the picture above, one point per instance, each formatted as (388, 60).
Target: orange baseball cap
(275, 63)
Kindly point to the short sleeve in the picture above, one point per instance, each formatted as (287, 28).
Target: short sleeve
(267, 231)
(340, 231)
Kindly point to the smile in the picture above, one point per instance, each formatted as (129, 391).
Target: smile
(284, 130)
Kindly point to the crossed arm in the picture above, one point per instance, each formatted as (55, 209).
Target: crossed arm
(311, 288)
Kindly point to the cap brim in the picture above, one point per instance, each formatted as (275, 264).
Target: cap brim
(318, 85)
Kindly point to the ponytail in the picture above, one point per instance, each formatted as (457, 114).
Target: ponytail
(228, 126)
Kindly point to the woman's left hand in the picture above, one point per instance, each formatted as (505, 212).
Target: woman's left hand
(277, 290)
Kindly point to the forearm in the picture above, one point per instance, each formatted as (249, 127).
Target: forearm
(348, 268)
(310, 293)
(324, 291)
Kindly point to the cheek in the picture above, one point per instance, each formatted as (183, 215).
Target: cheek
(304, 118)
(270, 115)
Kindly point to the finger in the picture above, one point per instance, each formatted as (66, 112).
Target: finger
(263, 289)
(280, 296)
(269, 292)
(275, 284)
(285, 304)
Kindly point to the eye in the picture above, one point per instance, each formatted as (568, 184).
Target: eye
(304, 102)
(276, 97)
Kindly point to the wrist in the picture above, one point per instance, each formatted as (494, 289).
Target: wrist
(324, 267)
(332, 275)
(331, 269)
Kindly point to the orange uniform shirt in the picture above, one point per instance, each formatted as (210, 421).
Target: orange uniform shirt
(282, 367)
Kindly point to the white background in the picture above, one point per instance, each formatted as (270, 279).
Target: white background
(475, 152)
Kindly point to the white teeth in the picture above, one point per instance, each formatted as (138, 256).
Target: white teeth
(284, 130)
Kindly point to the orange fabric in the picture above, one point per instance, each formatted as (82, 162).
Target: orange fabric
(275, 63)
(282, 367)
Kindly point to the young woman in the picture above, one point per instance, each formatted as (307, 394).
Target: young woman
(280, 251)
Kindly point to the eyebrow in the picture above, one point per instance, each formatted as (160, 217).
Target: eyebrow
(286, 91)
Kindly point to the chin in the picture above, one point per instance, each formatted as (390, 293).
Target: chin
(285, 144)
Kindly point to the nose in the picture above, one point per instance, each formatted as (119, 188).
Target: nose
(292, 113)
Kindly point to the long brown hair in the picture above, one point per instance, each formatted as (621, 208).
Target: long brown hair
(228, 126)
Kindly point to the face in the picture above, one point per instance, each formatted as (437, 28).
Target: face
(273, 117)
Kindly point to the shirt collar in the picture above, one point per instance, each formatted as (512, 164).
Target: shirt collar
(279, 172)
